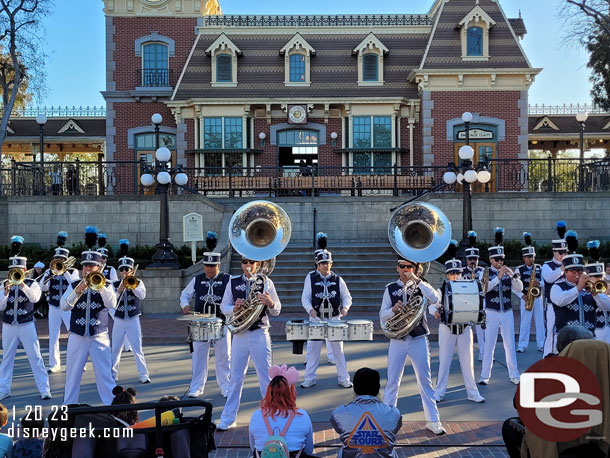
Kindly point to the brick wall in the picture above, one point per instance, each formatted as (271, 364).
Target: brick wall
(129, 29)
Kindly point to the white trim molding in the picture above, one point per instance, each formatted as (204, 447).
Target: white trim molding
(477, 17)
(370, 45)
(297, 45)
(224, 45)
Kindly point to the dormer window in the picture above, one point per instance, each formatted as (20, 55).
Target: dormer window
(475, 34)
(224, 55)
(297, 67)
(370, 52)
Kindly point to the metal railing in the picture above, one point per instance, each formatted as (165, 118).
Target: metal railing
(122, 177)
(59, 112)
(155, 77)
(565, 109)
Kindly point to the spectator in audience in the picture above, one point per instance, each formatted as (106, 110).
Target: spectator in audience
(30, 444)
(279, 415)
(128, 396)
(6, 442)
(366, 425)
(513, 430)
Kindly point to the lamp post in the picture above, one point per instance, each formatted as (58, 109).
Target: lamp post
(41, 120)
(466, 175)
(164, 257)
(581, 118)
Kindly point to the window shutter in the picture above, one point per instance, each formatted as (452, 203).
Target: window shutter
(224, 70)
(369, 70)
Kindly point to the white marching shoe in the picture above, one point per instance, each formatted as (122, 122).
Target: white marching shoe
(436, 427)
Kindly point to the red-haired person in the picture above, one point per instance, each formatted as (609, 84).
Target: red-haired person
(279, 415)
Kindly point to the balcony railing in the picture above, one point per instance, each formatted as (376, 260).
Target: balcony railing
(565, 109)
(122, 177)
(59, 112)
(155, 77)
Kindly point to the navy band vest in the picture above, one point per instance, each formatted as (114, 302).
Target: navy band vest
(20, 309)
(421, 328)
(467, 273)
(209, 292)
(58, 284)
(526, 273)
(498, 298)
(583, 314)
(547, 288)
(241, 289)
(331, 293)
(603, 319)
(128, 302)
(88, 320)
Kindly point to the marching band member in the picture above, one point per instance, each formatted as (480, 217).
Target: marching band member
(499, 311)
(17, 301)
(208, 289)
(552, 273)
(596, 273)
(573, 303)
(414, 345)
(450, 336)
(88, 331)
(56, 285)
(325, 295)
(255, 342)
(108, 271)
(127, 317)
(472, 271)
(525, 272)
(607, 276)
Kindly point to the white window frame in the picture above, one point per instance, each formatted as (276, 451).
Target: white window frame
(224, 45)
(297, 45)
(477, 17)
(371, 44)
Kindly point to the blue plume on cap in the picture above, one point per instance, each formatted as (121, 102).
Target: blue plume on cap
(528, 238)
(594, 251)
(561, 228)
(101, 240)
(211, 240)
(453, 242)
(572, 241)
(322, 240)
(62, 238)
(499, 235)
(452, 248)
(124, 246)
(90, 236)
(17, 239)
(472, 238)
(472, 234)
(16, 244)
(571, 233)
(91, 230)
(123, 242)
(593, 244)
(62, 234)
(211, 235)
(561, 224)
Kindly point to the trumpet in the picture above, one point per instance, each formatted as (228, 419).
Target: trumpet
(597, 287)
(131, 281)
(17, 276)
(59, 267)
(95, 281)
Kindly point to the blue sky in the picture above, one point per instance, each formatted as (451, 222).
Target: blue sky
(76, 44)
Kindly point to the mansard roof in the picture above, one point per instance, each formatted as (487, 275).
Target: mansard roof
(444, 48)
(59, 127)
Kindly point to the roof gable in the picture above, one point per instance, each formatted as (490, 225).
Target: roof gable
(71, 127)
(223, 42)
(477, 14)
(370, 42)
(297, 41)
(547, 123)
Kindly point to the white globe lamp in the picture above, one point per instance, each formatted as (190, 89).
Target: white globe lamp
(163, 154)
(484, 176)
(470, 176)
(181, 179)
(449, 177)
(156, 118)
(147, 179)
(164, 178)
(466, 153)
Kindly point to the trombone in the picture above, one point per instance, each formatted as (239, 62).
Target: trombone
(17, 276)
(58, 267)
(130, 282)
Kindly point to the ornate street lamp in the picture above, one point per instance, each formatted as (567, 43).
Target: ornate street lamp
(164, 257)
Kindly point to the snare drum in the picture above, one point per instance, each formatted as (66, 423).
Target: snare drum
(337, 330)
(463, 302)
(297, 330)
(360, 329)
(317, 330)
(205, 329)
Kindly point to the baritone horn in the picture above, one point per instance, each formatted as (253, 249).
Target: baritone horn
(258, 230)
(419, 232)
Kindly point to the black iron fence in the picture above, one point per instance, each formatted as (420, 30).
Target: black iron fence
(123, 178)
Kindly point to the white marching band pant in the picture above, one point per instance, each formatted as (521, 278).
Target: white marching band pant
(201, 356)
(504, 321)
(537, 313)
(123, 330)
(480, 340)
(550, 340)
(329, 351)
(25, 333)
(56, 317)
(447, 341)
(254, 344)
(314, 348)
(418, 350)
(79, 349)
(603, 334)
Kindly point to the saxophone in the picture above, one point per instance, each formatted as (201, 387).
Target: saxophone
(532, 291)
(403, 322)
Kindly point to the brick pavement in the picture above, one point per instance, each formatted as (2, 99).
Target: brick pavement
(463, 439)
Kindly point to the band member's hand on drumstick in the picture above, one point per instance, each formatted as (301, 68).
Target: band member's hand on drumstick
(266, 299)
(313, 313)
(238, 304)
(186, 310)
(343, 311)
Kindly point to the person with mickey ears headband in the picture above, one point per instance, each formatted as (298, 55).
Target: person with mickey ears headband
(17, 302)
(56, 286)
(472, 271)
(499, 311)
(88, 333)
(537, 312)
(573, 303)
(279, 413)
(552, 272)
(108, 271)
(451, 335)
(596, 273)
(414, 345)
(126, 316)
(325, 296)
(208, 289)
